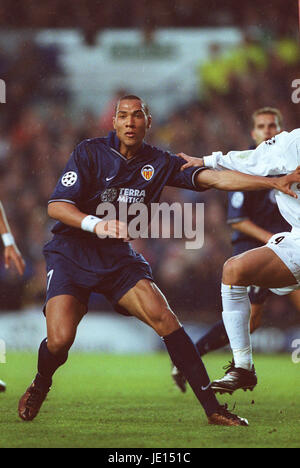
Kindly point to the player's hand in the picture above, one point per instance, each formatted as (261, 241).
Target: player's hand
(190, 161)
(284, 183)
(112, 228)
(12, 256)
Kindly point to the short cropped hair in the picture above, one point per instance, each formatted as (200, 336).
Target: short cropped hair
(268, 110)
(134, 98)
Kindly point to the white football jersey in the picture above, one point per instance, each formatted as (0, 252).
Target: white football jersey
(275, 157)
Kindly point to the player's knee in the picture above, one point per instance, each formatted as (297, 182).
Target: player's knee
(233, 272)
(165, 322)
(60, 343)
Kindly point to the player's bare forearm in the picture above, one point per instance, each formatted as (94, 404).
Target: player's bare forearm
(69, 214)
(253, 230)
(233, 181)
(228, 180)
(66, 213)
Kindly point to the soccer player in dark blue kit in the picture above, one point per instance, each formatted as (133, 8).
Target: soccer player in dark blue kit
(254, 217)
(118, 168)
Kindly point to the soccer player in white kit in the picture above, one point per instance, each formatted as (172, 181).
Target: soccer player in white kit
(275, 266)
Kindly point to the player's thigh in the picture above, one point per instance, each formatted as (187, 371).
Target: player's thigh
(63, 315)
(261, 267)
(146, 302)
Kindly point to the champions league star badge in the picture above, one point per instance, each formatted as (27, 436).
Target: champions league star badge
(69, 179)
(147, 172)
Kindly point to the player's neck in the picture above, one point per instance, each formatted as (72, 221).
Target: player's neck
(129, 151)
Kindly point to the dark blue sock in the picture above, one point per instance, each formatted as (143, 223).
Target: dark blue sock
(215, 339)
(184, 355)
(47, 365)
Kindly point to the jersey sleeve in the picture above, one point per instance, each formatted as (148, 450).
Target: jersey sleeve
(183, 179)
(237, 207)
(278, 156)
(74, 182)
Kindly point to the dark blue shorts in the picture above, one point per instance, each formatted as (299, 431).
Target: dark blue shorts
(256, 295)
(75, 268)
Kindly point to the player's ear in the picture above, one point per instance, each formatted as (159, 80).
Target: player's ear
(149, 121)
(114, 122)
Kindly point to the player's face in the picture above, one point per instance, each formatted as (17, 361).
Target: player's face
(266, 126)
(131, 123)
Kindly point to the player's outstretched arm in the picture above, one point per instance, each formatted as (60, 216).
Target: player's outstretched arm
(237, 181)
(233, 180)
(69, 214)
(12, 254)
(274, 157)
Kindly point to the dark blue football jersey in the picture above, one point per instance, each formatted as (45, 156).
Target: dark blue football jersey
(97, 173)
(259, 207)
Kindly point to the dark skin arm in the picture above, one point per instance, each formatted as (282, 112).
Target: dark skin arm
(69, 214)
(253, 230)
(237, 181)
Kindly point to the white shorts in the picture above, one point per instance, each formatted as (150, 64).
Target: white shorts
(287, 246)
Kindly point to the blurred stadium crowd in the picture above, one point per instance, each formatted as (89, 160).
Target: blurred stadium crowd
(38, 131)
(275, 16)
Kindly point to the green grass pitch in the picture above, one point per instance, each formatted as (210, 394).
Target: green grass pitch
(129, 401)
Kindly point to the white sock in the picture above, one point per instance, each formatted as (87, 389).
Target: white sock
(236, 318)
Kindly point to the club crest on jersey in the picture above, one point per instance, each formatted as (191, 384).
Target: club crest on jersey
(147, 172)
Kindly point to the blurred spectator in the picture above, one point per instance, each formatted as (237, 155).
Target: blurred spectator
(271, 16)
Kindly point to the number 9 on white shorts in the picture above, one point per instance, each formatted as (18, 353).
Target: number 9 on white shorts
(287, 246)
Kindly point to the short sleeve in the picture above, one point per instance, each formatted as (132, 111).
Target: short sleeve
(74, 182)
(182, 179)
